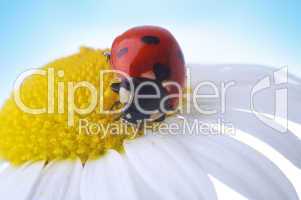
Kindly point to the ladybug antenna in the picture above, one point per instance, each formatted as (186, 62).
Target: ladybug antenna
(107, 54)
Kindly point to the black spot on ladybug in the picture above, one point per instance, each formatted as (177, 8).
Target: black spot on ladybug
(181, 56)
(161, 72)
(122, 51)
(149, 39)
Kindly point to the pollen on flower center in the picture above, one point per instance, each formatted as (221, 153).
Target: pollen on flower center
(31, 137)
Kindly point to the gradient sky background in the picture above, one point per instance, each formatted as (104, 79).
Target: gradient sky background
(249, 31)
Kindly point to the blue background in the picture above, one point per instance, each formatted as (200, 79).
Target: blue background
(247, 31)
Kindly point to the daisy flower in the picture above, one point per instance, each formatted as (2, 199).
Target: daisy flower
(45, 159)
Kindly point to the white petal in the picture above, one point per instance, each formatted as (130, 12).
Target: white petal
(167, 176)
(240, 167)
(238, 109)
(197, 178)
(109, 178)
(282, 142)
(60, 180)
(18, 182)
(245, 78)
(248, 123)
(242, 73)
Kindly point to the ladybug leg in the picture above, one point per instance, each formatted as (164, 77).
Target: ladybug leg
(115, 104)
(157, 117)
(161, 119)
(133, 116)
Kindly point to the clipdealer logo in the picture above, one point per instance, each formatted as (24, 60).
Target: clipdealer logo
(279, 120)
(278, 82)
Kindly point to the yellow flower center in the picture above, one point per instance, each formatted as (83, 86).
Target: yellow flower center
(30, 137)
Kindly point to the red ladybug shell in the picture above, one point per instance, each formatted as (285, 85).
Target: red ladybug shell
(137, 51)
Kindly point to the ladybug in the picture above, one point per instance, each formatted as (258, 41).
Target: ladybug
(147, 54)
